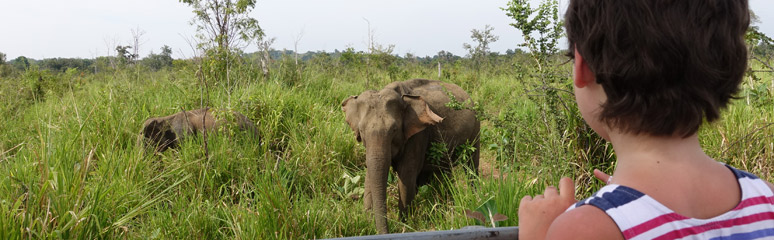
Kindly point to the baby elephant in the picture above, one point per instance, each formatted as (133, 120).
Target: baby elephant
(165, 132)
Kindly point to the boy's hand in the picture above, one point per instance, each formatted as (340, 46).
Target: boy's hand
(536, 214)
(602, 176)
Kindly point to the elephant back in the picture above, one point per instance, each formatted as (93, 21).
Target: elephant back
(459, 116)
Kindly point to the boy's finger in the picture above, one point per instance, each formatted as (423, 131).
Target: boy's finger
(550, 191)
(567, 188)
(602, 176)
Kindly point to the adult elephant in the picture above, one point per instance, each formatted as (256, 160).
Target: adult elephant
(397, 126)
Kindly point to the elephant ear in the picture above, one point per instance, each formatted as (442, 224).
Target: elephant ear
(344, 103)
(351, 116)
(417, 116)
(159, 133)
(151, 128)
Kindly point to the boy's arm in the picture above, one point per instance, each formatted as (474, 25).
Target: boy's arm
(585, 222)
(536, 214)
(770, 185)
(544, 217)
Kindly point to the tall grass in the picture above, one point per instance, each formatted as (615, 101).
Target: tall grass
(72, 166)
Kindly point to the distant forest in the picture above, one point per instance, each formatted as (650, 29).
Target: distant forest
(164, 59)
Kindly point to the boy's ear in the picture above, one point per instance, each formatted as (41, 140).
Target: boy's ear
(582, 72)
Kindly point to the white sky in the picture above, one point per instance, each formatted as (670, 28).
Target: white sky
(88, 28)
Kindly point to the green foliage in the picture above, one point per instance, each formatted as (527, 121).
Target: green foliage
(20, 63)
(464, 152)
(396, 73)
(760, 95)
(453, 102)
(351, 189)
(754, 37)
(224, 27)
(445, 57)
(105, 64)
(486, 213)
(544, 22)
(550, 89)
(382, 58)
(124, 56)
(62, 64)
(224, 22)
(482, 38)
(156, 62)
(351, 58)
(289, 72)
(437, 152)
(74, 168)
(5, 68)
(764, 49)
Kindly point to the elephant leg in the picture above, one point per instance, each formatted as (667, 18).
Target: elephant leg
(408, 168)
(473, 163)
(408, 190)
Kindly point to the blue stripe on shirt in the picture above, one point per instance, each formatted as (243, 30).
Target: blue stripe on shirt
(620, 196)
(741, 174)
(750, 235)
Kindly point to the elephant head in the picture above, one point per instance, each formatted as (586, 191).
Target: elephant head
(383, 121)
(158, 133)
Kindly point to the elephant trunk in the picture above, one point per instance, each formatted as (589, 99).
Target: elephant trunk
(378, 166)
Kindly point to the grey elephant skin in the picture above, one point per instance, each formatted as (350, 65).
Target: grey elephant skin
(397, 126)
(163, 133)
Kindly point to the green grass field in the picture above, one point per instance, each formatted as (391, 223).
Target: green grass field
(71, 165)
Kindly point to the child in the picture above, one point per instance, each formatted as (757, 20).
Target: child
(647, 73)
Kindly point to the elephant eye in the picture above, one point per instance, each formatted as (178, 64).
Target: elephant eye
(358, 137)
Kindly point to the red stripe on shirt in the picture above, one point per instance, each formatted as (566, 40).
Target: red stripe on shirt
(755, 201)
(651, 224)
(671, 217)
(718, 225)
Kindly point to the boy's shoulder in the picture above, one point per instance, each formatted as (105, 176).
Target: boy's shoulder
(770, 185)
(588, 220)
(741, 173)
(584, 222)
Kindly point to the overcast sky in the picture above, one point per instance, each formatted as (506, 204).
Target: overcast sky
(88, 28)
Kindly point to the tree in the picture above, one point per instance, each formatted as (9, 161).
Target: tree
(482, 38)
(5, 69)
(158, 61)
(545, 23)
(759, 44)
(123, 54)
(136, 41)
(166, 51)
(20, 63)
(225, 22)
(351, 58)
(761, 48)
(295, 45)
(542, 28)
(445, 57)
(264, 46)
(63, 64)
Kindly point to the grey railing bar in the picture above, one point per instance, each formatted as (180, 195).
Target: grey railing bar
(510, 233)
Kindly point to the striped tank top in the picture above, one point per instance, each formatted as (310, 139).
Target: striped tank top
(639, 216)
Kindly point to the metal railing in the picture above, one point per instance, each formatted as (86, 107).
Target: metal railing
(466, 233)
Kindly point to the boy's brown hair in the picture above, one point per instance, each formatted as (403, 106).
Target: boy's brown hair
(665, 65)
